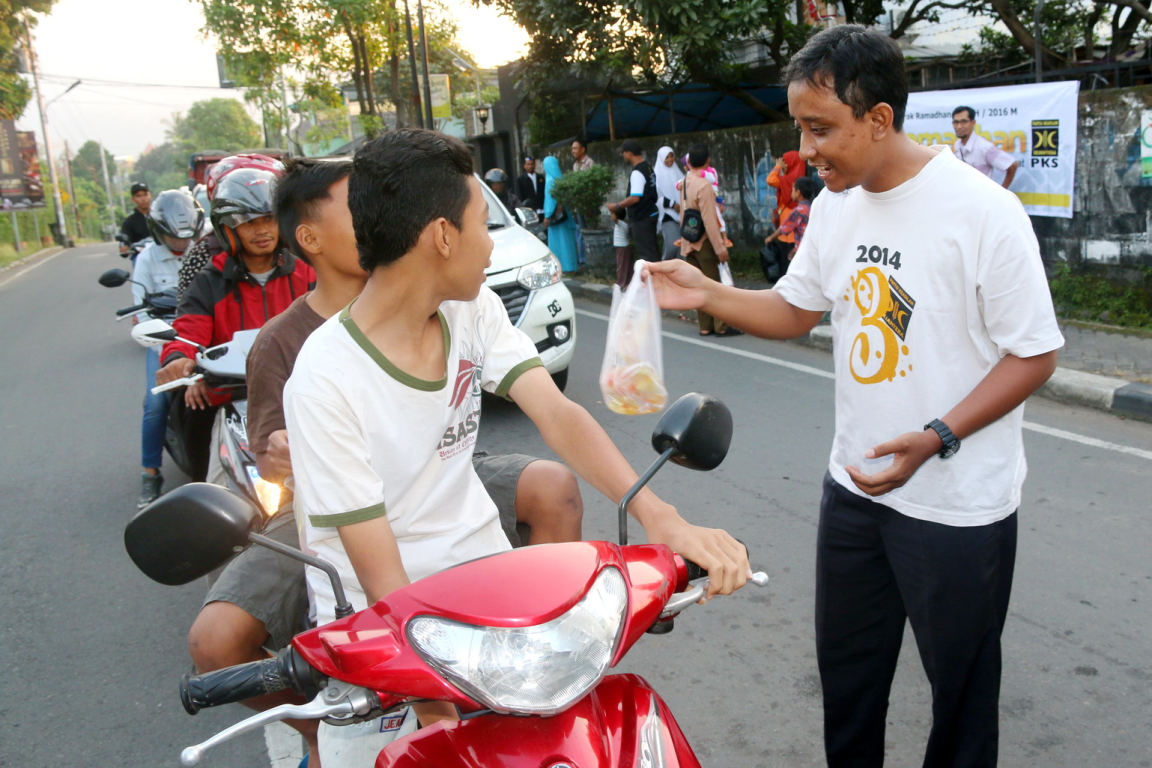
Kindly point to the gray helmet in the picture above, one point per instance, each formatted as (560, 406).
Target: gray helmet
(496, 176)
(175, 214)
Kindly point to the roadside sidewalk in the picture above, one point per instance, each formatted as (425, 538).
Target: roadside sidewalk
(1090, 352)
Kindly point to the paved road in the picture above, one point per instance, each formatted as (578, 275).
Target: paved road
(91, 650)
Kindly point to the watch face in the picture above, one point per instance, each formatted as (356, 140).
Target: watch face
(949, 451)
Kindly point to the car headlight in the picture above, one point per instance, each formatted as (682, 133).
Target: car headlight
(540, 274)
(531, 670)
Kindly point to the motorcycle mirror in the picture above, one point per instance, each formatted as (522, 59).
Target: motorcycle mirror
(698, 428)
(114, 278)
(527, 217)
(190, 532)
(153, 333)
(123, 238)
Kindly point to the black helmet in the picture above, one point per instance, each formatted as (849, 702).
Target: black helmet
(175, 214)
(243, 195)
(496, 176)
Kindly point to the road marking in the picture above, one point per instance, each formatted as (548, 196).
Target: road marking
(25, 270)
(1029, 425)
(285, 745)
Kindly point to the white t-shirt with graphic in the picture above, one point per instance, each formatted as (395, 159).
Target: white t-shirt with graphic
(369, 440)
(930, 284)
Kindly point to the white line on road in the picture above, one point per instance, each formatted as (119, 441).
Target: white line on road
(23, 270)
(1029, 425)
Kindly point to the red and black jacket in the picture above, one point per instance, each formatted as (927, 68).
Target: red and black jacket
(224, 298)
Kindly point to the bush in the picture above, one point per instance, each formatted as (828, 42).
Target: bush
(585, 191)
(1082, 295)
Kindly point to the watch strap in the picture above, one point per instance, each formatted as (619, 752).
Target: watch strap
(951, 443)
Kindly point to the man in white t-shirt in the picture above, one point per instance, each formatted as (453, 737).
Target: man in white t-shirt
(977, 151)
(383, 405)
(942, 327)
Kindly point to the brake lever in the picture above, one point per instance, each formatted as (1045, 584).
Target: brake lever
(698, 589)
(187, 381)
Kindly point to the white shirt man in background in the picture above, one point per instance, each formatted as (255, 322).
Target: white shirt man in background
(977, 151)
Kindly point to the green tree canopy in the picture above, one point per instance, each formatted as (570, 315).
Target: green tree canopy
(86, 163)
(214, 124)
(14, 91)
(165, 167)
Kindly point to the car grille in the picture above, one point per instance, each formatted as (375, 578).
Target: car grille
(515, 298)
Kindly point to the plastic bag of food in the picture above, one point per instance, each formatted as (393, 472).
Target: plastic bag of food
(632, 377)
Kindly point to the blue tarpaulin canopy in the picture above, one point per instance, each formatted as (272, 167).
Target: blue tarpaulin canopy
(683, 109)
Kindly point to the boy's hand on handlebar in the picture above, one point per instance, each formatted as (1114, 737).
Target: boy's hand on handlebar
(177, 369)
(196, 396)
(725, 559)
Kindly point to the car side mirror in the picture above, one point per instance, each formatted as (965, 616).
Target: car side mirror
(114, 278)
(153, 333)
(190, 532)
(527, 217)
(698, 428)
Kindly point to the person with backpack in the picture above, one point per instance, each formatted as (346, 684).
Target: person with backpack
(709, 248)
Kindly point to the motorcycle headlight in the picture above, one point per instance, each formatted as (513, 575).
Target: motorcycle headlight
(540, 274)
(268, 493)
(530, 670)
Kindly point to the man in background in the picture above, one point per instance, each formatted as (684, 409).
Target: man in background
(530, 187)
(135, 225)
(641, 201)
(977, 151)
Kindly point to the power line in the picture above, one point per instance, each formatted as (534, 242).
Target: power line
(130, 84)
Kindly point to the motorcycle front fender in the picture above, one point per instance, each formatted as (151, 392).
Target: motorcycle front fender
(622, 723)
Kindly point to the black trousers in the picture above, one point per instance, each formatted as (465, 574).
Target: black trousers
(874, 569)
(644, 238)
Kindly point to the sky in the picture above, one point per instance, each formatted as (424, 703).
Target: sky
(120, 49)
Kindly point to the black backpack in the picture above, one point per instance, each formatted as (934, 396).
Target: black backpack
(691, 220)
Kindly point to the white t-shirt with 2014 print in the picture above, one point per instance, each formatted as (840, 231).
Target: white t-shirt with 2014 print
(369, 440)
(930, 284)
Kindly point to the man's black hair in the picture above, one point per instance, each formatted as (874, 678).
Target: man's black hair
(971, 112)
(698, 155)
(304, 185)
(401, 182)
(633, 146)
(862, 66)
(807, 187)
(581, 141)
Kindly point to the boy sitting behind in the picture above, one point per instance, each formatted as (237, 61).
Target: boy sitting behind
(803, 190)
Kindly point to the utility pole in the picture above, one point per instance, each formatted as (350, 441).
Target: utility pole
(417, 102)
(1039, 53)
(428, 121)
(72, 191)
(107, 186)
(284, 109)
(62, 228)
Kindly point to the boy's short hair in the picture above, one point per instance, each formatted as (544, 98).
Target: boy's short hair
(401, 182)
(806, 186)
(304, 185)
(699, 155)
(862, 66)
(971, 112)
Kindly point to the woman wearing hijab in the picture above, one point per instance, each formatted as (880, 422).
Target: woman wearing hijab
(787, 169)
(562, 234)
(668, 178)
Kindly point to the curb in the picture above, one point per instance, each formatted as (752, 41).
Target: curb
(1104, 393)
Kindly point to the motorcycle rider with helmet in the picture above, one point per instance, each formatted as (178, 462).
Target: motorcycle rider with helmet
(203, 251)
(497, 181)
(173, 220)
(250, 280)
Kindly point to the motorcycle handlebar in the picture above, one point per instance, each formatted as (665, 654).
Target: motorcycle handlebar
(286, 670)
(130, 310)
(177, 383)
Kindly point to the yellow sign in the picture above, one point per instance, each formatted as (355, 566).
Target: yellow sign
(441, 95)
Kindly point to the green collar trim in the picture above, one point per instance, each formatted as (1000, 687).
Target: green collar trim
(387, 365)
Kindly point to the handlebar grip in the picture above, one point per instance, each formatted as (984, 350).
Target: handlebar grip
(696, 572)
(225, 686)
(130, 310)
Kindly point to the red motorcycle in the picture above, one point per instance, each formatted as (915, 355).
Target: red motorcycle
(525, 667)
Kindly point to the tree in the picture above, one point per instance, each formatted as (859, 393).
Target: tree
(321, 42)
(214, 124)
(165, 167)
(14, 92)
(86, 163)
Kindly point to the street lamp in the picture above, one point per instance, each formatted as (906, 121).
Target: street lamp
(482, 115)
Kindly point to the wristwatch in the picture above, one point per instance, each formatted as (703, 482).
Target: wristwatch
(951, 442)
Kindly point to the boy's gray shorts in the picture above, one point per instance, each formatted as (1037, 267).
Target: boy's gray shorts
(271, 587)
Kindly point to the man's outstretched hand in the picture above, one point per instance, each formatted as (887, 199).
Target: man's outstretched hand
(678, 284)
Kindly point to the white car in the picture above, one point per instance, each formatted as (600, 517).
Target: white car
(527, 277)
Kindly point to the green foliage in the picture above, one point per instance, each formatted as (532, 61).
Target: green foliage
(86, 163)
(214, 124)
(165, 167)
(1081, 294)
(585, 191)
(464, 100)
(551, 120)
(14, 91)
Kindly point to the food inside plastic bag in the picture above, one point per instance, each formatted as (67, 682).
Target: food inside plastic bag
(632, 377)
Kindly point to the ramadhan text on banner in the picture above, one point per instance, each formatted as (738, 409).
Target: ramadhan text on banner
(1035, 123)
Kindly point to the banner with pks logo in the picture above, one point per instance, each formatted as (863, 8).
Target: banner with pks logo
(1036, 124)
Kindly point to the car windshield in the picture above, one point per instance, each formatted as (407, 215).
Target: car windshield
(497, 218)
